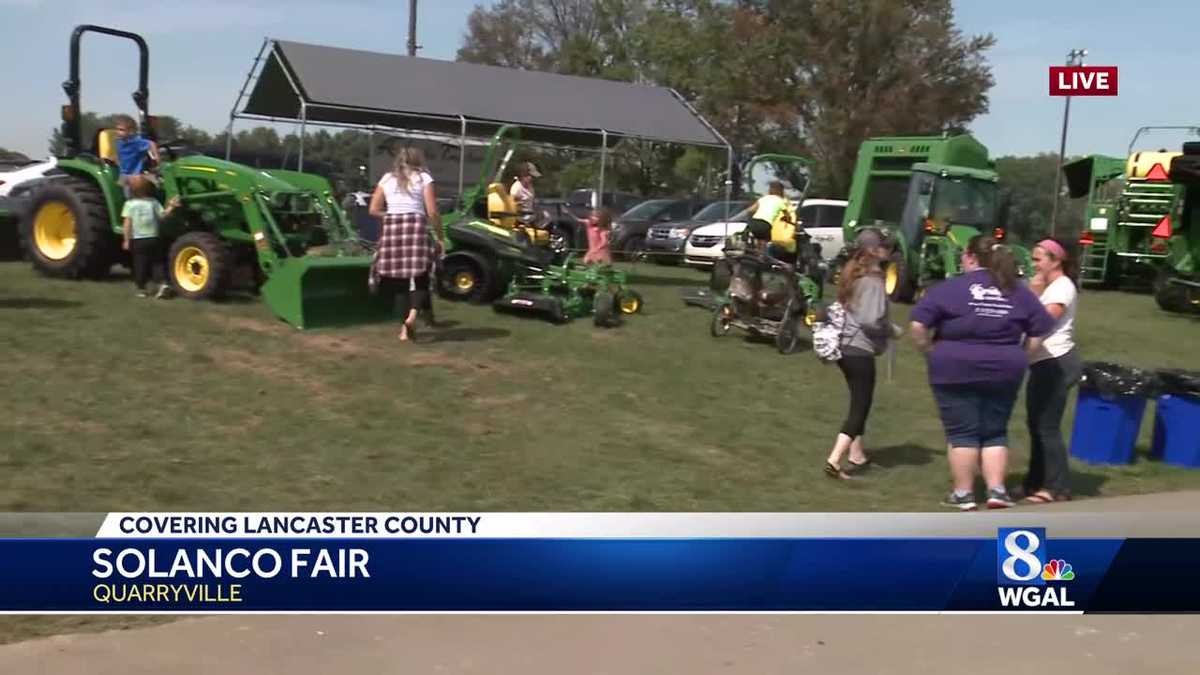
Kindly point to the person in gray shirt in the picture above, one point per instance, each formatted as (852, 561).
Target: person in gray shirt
(865, 335)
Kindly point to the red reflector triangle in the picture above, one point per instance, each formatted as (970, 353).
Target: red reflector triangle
(1157, 173)
(1163, 229)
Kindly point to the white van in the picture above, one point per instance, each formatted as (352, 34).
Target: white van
(821, 218)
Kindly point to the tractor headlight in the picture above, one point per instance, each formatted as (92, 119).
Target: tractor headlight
(679, 233)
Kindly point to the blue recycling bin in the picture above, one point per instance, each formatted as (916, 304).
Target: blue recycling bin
(1177, 430)
(1106, 427)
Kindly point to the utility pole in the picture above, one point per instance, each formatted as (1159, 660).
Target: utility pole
(1074, 58)
(412, 27)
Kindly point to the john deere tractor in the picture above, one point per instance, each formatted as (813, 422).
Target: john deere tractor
(932, 194)
(1129, 213)
(281, 227)
(1177, 284)
(487, 239)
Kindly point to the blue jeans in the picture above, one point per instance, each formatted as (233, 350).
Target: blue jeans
(975, 415)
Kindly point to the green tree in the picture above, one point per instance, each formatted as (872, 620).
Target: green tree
(1026, 183)
(7, 155)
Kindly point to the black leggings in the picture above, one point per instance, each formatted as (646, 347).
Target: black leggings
(859, 372)
(406, 294)
(1050, 382)
(147, 261)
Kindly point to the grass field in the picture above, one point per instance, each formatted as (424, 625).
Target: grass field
(115, 403)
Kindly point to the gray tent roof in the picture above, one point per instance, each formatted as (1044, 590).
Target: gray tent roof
(348, 86)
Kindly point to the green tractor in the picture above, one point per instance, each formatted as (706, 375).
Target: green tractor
(283, 228)
(1177, 284)
(1129, 204)
(932, 194)
(488, 241)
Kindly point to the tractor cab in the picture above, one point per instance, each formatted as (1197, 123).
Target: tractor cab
(948, 201)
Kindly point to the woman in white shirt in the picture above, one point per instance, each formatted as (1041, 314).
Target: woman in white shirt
(1054, 368)
(405, 201)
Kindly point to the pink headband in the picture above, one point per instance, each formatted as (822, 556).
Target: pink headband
(1054, 247)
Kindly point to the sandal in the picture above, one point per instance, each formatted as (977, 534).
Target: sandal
(835, 473)
(409, 333)
(1042, 497)
(857, 467)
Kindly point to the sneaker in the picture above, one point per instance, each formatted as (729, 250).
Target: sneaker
(999, 499)
(142, 294)
(164, 291)
(964, 503)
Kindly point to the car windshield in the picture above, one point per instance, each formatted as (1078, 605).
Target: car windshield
(646, 210)
(718, 211)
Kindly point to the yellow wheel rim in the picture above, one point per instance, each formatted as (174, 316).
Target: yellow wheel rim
(891, 279)
(191, 269)
(810, 317)
(464, 281)
(54, 230)
(630, 304)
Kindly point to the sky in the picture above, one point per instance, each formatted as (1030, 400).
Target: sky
(202, 51)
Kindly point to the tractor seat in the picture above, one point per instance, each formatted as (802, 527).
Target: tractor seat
(106, 146)
(501, 207)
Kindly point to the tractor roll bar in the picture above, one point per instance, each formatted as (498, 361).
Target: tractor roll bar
(72, 130)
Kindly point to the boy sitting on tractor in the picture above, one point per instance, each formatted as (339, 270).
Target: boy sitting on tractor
(132, 151)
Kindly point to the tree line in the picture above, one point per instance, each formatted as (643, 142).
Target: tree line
(807, 77)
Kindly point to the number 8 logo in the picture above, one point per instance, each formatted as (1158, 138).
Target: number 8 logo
(1025, 554)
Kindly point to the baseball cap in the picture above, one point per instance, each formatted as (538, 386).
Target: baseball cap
(532, 170)
(870, 237)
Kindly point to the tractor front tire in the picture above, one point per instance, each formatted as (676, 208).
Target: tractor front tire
(200, 266)
(898, 279)
(630, 301)
(605, 312)
(66, 231)
(467, 276)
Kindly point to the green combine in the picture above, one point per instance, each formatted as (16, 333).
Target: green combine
(933, 194)
(1130, 202)
(283, 229)
(1177, 283)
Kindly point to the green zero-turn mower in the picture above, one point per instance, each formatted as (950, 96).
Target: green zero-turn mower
(570, 290)
(283, 227)
(932, 194)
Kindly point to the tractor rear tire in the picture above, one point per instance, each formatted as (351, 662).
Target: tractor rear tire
(899, 281)
(630, 301)
(467, 276)
(1170, 297)
(787, 340)
(66, 231)
(200, 266)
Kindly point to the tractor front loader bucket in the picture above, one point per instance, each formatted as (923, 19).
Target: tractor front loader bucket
(324, 292)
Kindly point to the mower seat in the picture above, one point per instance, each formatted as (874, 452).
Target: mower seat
(501, 207)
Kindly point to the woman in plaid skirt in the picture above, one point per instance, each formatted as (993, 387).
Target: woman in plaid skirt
(404, 200)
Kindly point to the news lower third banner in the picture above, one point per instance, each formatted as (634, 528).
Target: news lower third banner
(603, 562)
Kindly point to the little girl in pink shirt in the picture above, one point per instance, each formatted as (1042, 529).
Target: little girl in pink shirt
(599, 225)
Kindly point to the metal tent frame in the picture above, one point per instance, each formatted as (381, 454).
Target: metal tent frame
(270, 50)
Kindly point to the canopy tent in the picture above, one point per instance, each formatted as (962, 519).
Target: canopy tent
(331, 86)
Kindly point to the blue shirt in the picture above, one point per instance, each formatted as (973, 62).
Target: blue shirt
(131, 154)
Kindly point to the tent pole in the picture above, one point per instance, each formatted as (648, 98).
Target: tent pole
(229, 138)
(598, 200)
(462, 155)
(370, 157)
(728, 181)
(303, 120)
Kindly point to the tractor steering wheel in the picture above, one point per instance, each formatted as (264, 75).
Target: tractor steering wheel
(174, 147)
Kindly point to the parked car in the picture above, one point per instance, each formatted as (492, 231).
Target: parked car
(630, 228)
(665, 241)
(17, 179)
(579, 203)
(822, 218)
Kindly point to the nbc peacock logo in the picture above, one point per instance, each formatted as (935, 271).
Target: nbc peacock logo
(1058, 570)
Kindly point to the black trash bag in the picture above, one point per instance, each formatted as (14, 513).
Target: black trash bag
(1178, 383)
(1113, 379)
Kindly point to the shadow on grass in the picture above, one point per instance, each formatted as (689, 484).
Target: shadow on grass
(1083, 483)
(639, 279)
(906, 454)
(467, 334)
(37, 303)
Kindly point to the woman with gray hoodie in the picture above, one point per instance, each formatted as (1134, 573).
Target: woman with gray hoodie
(865, 336)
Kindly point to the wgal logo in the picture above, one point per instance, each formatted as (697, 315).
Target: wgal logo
(1023, 567)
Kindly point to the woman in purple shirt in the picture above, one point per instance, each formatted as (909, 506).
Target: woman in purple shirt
(977, 330)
